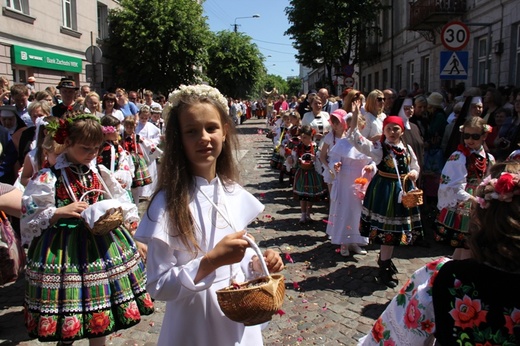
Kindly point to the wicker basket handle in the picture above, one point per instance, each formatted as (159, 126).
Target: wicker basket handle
(258, 253)
(414, 187)
(86, 193)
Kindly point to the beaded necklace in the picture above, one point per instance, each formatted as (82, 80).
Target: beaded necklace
(79, 181)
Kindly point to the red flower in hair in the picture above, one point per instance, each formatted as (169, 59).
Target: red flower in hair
(505, 184)
(61, 132)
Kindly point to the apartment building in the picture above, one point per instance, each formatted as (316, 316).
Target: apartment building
(48, 39)
(408, 48)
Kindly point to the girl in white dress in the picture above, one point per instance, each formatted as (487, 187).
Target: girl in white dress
(192, 249)
(345, 207)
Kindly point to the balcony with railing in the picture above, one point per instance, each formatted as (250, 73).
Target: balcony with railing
(429, 14)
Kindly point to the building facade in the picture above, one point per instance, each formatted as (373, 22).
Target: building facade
(48, 39)
(410, 49)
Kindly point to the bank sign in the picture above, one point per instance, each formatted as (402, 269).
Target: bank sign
(40, 58)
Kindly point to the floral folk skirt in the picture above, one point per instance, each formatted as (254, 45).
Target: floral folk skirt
(80, 285)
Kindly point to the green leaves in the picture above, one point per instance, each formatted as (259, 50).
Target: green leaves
(157, 44)
(235, 64)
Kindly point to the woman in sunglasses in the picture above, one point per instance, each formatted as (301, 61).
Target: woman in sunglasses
(461, 174)
(374, 115)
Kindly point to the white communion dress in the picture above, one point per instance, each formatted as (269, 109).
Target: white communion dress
(193, 316)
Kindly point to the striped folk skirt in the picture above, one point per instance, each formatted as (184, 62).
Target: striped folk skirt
(80, 285)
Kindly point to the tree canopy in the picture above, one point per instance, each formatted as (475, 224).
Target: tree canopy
(157, 44)
(328, 33)
(235, 64)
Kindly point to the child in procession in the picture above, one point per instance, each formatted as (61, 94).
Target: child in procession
(384, 219)
(196, 221)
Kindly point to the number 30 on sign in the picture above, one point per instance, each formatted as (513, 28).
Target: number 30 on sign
(455, 35)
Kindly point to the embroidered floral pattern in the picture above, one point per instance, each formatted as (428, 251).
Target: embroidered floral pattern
(47, 326)
(99, 322)
(71, 327)
(409, 316)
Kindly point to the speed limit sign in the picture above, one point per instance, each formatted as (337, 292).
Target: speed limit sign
(455, 35)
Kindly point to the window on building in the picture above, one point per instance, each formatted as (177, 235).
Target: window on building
(425, 72)
(21, 6)
(102, 19)
(385, 78)
(376, 80)
(399, 77)
(482, 61)
(70, 15)
(410, 73)
(370, 82)
(364, 82)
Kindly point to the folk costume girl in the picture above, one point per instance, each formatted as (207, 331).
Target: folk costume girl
(131, 143)
(293, 139)
(150, 135)
(308, 183)
(384, 219)
(79, 285)
(112, 155)
(194, 250)
(462, 173)
(279, 141)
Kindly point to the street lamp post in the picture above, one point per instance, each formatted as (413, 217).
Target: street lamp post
(236, 25)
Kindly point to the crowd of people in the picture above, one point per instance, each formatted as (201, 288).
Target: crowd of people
(79, 161)
(74, 168)
(371, 153)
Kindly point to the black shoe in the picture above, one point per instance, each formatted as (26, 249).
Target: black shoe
(386, 275)
(393, 268)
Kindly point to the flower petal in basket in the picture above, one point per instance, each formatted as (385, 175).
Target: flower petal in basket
(255, 301)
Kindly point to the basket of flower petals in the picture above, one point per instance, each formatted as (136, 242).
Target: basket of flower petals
(255, 301)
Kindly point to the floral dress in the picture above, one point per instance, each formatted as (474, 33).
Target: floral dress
(384, 219)
(454, 302)
(461, 174)
(79, 285)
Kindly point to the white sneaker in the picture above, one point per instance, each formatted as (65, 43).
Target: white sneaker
(344, 250)
(357, 249)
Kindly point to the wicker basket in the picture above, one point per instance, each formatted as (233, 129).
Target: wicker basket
(256, 301)
(111, 218)
(412, 198)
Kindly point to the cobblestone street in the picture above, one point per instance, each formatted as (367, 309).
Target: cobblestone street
(330, 299)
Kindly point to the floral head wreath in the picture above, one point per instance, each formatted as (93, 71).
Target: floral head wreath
(503, 189)
(60, 130)
(486, 128)
(193, 91)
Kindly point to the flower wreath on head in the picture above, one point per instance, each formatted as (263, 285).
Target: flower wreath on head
(108, 130)
(60, 130)
(503, 189)
(486, 128)
(193, 91)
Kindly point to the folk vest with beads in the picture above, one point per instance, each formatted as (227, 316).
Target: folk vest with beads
(402, 156)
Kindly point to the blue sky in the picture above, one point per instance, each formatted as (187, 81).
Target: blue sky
(267, 31)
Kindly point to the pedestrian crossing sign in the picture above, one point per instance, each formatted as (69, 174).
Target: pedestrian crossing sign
(454, 65)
